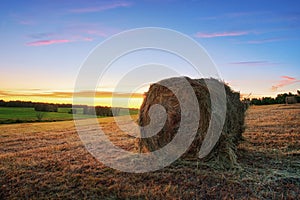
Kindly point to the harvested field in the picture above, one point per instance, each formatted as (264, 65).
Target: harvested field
(48, 161)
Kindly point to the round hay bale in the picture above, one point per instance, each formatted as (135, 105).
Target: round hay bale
(223, 154)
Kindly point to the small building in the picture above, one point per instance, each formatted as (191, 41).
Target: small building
(290, 100)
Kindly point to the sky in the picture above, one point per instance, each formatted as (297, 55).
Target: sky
(254, 44)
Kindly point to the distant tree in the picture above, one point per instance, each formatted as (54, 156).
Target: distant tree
(268, 101)
(256, 101)
(281, 98)
(2, 103)
(29, 104)
(103, 111)
(89, 110)
(40, 115)
(72, 111)
(46, 107)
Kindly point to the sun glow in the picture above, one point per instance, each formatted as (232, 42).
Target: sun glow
(103, 98)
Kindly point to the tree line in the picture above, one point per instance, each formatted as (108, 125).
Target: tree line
(108, 111)
(51, 107)
(30, 104)
(279, 99)
(101, 111)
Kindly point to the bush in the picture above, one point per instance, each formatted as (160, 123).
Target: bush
(72, 111)
(103, 111)
(40, 115)
(46, 107)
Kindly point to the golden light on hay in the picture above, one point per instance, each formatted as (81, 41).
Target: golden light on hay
(223, 154)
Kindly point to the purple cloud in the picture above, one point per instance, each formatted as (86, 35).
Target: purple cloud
(101, 8)
(221, 34)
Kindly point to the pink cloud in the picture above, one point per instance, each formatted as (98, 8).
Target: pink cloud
(89, 39)
(285, 80)
(223, 34)
(74, 34)
(288, 78)
(101, 8)
(46, 42)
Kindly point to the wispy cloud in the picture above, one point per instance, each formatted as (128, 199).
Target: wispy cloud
(285, 80)
(209, 18)
(101, 8)
(41, 35)
(266, 40)
(22, 19)
(254, 63)
(88, 39)
(232, 15)
(96, 32)
(221, 34)
(288, 78)
(89, 30)
(72, 33)
(47, 42)
(246, 14)
(26, 22)
(292, 19)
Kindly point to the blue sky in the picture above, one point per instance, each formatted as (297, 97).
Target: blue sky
(255, 44)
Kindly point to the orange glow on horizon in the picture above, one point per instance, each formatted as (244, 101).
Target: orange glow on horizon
(101, 98)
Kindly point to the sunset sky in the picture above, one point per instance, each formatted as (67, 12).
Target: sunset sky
(255, 44)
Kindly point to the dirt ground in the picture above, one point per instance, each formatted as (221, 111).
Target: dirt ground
(48, 161)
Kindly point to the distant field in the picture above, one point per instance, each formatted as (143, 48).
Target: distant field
(10, 115)
(48, 161)
(21, 115)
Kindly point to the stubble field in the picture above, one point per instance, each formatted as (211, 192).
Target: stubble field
(48, 161)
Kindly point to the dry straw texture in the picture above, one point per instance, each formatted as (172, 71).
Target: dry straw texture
(223, 154)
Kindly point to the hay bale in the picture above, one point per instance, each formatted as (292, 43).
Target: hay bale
(223, 154)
